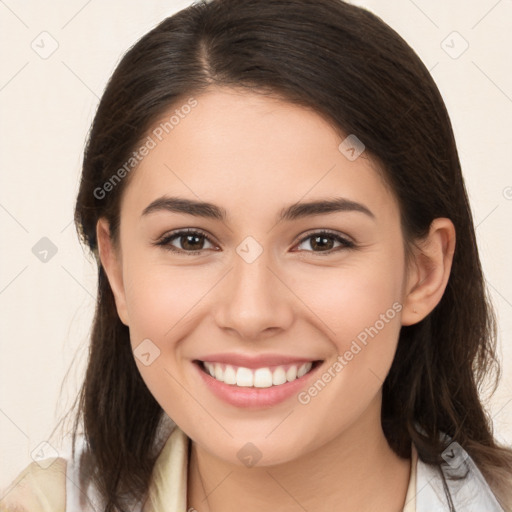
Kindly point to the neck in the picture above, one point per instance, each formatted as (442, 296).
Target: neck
(357, 470)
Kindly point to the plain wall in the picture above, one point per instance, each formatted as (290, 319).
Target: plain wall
(47, 105)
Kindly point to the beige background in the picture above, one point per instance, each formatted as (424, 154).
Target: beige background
(47, 105)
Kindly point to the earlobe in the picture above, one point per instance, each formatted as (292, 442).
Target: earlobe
(111, 263)
(432, 266)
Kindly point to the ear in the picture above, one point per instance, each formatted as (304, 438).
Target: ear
(112, 264)
(429, 271)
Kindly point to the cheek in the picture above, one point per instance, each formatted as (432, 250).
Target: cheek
(159, 296)
(366, 328)
(160, 303)
(358, 307)
(350, 298)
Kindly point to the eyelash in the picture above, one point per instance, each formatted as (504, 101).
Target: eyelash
(166, 240)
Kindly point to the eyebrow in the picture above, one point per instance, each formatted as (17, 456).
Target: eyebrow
(292, 212)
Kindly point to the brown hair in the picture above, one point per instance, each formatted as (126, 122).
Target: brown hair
(348, 65)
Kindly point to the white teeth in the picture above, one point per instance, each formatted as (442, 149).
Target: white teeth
(262, 378)
(303, 370)
(229, 375)
(279, 376)
(259, 378)
(219, 374)
(291, 374)
(244, 377)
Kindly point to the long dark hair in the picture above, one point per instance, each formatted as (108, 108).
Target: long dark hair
(348, 65)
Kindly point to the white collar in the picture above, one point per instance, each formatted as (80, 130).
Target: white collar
(463, 484)
(469, 494)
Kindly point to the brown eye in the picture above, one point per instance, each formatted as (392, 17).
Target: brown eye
(323, 242)
(192, 242)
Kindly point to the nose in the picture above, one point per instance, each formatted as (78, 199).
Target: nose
(254, 302)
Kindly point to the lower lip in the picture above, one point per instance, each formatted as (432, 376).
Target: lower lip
(251, 397)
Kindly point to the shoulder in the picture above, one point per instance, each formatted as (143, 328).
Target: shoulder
(457, 480)
(38, 488)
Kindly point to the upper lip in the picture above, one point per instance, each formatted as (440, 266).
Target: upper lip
(259, 361)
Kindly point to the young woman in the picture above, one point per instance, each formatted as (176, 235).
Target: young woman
(291, 309)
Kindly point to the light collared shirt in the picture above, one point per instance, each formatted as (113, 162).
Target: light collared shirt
(55, 487)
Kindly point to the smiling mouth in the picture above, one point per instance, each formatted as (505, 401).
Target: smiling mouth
(264, 377)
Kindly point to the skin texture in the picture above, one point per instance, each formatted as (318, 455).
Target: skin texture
(253, 156)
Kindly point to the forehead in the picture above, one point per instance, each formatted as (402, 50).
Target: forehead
(244, 150)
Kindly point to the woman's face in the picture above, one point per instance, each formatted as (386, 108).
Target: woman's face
(262, 281)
